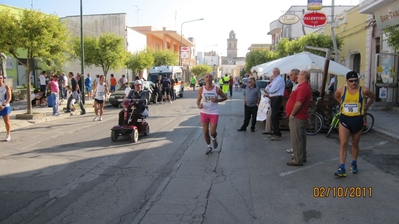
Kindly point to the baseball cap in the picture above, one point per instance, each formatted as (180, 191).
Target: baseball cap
(138, 82)
(351, 74)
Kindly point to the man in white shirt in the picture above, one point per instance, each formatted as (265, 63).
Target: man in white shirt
(276, 93)
(43, 86)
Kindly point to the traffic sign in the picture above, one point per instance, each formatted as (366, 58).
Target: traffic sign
(314, 19)
(184, 52)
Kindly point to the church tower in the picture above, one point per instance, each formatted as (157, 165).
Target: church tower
(232, 45)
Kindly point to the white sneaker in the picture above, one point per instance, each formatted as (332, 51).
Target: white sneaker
(290, 150)
(95, 118)
(101, 118)
(8, 138)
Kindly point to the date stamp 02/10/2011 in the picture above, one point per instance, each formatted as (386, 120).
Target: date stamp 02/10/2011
(343, 192)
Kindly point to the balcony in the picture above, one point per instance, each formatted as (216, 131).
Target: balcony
(370, 6)
(275, 27)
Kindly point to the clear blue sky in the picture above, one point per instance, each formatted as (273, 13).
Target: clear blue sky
(249, 19)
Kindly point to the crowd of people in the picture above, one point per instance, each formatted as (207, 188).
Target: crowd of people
(351, 98)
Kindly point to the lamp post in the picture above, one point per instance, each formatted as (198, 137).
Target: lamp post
(82, 54)
(203, 60)
(181, 38)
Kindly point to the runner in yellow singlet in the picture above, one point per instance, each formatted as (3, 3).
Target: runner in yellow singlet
(353, 107)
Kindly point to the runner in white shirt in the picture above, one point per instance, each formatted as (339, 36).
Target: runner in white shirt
(100, 91)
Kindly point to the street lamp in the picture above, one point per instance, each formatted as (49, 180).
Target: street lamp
(203, 60)
(181, 37)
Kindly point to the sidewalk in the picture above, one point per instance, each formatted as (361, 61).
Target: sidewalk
(19, 107)
(385, 125)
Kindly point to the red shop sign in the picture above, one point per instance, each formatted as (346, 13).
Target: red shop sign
(314, 19)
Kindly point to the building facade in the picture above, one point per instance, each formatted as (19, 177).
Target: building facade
(350, 27)
(279, 31)
(381, 61)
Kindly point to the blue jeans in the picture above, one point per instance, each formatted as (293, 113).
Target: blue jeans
(55, 98)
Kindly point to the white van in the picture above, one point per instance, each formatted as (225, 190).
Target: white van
(175, 71)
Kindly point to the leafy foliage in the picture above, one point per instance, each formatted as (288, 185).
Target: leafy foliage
(139, 61)
(286, 47)
(258, 57)
(164, 57)
(393, 36)
(106, 51)
(201, 70)
(41, 37)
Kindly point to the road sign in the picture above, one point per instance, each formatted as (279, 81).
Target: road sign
(314, 19)
(184, 52)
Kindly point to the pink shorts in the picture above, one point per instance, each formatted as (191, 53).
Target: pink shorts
(209, 118)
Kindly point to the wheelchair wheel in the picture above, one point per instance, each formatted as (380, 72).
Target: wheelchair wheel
(135, 135)
(114, 136)
(147, 130)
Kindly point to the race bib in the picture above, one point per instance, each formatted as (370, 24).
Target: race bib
(351, 108)
(100, 94)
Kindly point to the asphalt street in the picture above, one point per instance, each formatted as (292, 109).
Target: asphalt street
(67, 170)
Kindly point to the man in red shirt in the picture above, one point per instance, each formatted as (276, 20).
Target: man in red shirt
(297, 111)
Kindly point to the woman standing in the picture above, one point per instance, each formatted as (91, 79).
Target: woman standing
(5, 110)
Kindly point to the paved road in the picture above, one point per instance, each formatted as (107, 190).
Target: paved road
(68, 171)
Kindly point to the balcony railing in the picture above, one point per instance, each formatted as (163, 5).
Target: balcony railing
(364, 3)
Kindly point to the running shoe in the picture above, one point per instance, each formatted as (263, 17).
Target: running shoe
(340, 172)
(101, 118)
(290, 150)
(95, 118)
(209, 151)
(354, 169)
(215, 143)
(8, 138)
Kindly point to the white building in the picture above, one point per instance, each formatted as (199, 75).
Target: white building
(95, 25)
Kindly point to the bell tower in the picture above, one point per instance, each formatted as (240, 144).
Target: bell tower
(232, 45)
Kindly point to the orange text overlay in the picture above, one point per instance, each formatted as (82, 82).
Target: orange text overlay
(343, 192)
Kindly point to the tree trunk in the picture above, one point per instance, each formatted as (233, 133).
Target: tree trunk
(28, 101)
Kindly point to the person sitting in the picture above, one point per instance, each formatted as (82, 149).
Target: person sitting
(36, 98)
(138, 97)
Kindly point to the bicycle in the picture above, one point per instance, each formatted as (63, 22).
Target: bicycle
(367, 126)
(315, 123)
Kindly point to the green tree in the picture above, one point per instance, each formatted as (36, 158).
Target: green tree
(106, 51)
(139, 61)
(393, 36)
(164, 57)
(286, 47)
(201, 70)
(39, 35)
(258, 57)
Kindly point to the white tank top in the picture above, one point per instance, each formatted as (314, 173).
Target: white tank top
(208, 106)
(3, 96)
(100, 91)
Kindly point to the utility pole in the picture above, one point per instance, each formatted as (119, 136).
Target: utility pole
(332, 32)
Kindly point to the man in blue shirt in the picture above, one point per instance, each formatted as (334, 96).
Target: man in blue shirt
(88, 85)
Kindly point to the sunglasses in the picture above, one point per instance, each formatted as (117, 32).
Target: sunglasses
(353, 80)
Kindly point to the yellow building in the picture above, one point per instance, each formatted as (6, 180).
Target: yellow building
(350, 27)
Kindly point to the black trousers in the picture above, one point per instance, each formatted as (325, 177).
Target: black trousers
(231, 90)
(275, 104)
(248, 113)
(135, 116)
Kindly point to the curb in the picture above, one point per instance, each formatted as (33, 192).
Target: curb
(388, 135)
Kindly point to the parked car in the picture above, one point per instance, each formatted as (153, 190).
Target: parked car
(261, 84)
(117, 97)
(201, 82)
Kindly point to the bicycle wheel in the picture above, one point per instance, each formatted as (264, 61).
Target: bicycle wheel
(368, 123)
(333, 125)
(315, 123)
